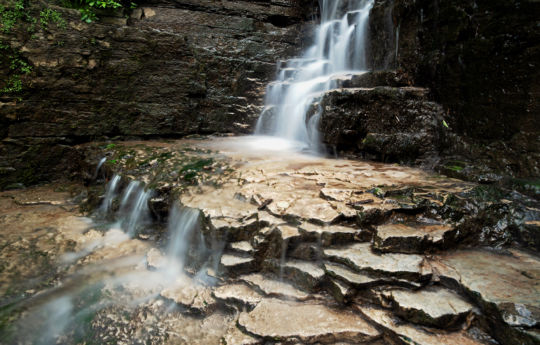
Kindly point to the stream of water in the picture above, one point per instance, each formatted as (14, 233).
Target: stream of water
(339, 49)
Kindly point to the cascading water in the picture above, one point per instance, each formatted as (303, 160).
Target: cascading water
(182, 223)
(110, 194)
(134, 211)
(98, 168)
(339, 48)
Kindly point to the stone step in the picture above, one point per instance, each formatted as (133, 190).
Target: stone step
(270, 287)
(237, 337)
(194, 297)
(328, 235)
(235, 264)
(364, 280)
(233, 229)
(341, 291)
(304, 274)
(241, 247)
(436, 307)
(294, 63)
(411, 239)
(337, 81)
(237, 294)
(284, 321)
(360, 258)
(411, 334)
(502, 283)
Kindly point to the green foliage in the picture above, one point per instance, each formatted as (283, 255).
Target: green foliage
(191, 170)
(9, 17)
(18, 66)
(48, 16)
(89, 8)
(18, 12)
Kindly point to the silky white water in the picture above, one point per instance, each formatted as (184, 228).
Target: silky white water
(339, 49)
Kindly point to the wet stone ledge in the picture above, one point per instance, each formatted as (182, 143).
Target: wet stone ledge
(381, 241)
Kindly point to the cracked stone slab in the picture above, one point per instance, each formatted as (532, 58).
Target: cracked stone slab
(506, 283)
(243, 247)
(304, 274)
(288, 232)
(236, 264)
(237, 294)
(362, 280)
(349, 276)
(328, 234)
(219, 205)
(401, 238)
(235, 336)
(415, 334)
(436, 307)
(194, 297)
(233, 229)
(308, 323)
(312, 209)
(359, 257)
(274, 288)
(341, 291)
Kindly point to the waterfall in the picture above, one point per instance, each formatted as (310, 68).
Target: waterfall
(100, 164)
(110, 194)
(181, 225)
(339, 48)
(134, 211)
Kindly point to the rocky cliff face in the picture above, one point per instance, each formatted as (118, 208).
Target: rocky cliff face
(172, 68)
(479, 59)
(179, 67)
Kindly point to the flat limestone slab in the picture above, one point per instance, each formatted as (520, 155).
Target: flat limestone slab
(272, 287)
(186, 293)
(238, 294)
(231, 261)
(242, 247)
(437, 307)
(309, 323)
(409, 332)
(305, 274)
(234, 336)
(351, 277)
(506, 281)
(359, 257)
(328, 234)
(401, 238)
(236, 264)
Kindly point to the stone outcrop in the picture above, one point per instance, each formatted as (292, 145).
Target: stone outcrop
(393, 124)
(407, 267)
(479, 61)
(173, 68)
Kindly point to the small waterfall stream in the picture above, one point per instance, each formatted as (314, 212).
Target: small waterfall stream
(339, 48)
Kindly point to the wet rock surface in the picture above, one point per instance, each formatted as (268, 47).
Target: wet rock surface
(171, 68)
(432, 307)
(383, 123)
(304, 322)
(263, 268)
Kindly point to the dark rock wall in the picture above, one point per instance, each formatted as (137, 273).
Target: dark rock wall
(172, 68)
(481, 61)
(179, 67)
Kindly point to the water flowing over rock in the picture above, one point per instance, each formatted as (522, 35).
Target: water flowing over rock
(392, 267)
(339, 49)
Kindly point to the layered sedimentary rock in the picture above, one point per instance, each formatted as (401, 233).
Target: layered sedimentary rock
(172, 68)
(480, 62)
